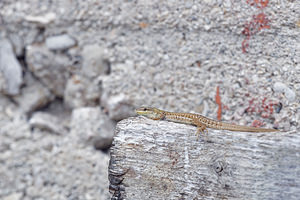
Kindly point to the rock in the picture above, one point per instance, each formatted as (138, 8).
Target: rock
(58, 109)
(94, 62)
(103, 143)
(2, 82)
(41, 20)
(60, 42)
(118, 106)
(90, 125)
(282, 88)
(47, 122)
(48, 67)
(82, 92)
(33, 96)
(17, 43)
(14, 196)
(10, 69)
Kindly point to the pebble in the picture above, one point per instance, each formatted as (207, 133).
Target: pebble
(33, 96)
(48, 66)
(118, 106)
(47, 122)
(10, 69)
(283, 88)
(18, 44)
(81, 92)
(94, 62)
(90, 126)
(14, 196)
(60, 42)
(42, 20)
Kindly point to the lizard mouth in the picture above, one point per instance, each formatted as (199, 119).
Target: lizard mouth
(141, 111)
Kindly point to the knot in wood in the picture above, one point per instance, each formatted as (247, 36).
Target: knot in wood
(219, 166)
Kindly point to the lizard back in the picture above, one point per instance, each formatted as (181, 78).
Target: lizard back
(197, 119)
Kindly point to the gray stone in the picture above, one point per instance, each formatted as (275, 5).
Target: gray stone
(94, 61)
(14, 196)
(103, 143)
(118, 106)
(90, 125)
(41, 20)
(81, 92)
(60, 42)
(50, 68)
(46, 121)
(33, 96)
(10, 69)
(18, 44)
(283, 88)
(2, 82)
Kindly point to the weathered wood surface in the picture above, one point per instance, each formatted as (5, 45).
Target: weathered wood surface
(164, 160)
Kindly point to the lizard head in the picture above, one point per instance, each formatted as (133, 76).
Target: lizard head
(152, 113)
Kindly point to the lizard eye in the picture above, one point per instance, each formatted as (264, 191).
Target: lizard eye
(144, 109)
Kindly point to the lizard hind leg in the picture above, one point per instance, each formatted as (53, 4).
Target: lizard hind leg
(201, 128)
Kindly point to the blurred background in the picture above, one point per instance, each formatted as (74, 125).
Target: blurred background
(70, 70)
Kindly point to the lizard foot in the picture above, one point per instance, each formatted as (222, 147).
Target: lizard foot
(201, 129)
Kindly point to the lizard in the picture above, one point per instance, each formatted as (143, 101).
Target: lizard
(201, 122)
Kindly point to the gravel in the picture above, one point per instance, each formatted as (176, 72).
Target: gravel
(282, 88)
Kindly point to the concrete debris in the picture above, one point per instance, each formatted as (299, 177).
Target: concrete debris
(94, 61)
(10, 69)
(14, 196)
(60, 42)
(18, 44)
(90, 125)
(42, 20)
(118, 106)
(50, 68)
(33, 96)
(81, 91)
(48, 122)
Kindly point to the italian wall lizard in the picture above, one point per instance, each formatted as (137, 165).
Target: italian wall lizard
(195, 119)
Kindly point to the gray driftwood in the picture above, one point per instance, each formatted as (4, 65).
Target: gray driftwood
(164, 160)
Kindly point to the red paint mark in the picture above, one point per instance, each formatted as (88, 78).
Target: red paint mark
(257, 23)
(258, 3)
(257, 123)
(265, 107)
(262, 21)
(218, 101)
(245, 44)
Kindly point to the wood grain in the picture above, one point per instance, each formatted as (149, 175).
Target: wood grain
(164, 160)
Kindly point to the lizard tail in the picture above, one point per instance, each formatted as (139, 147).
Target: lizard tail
(233, 127)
